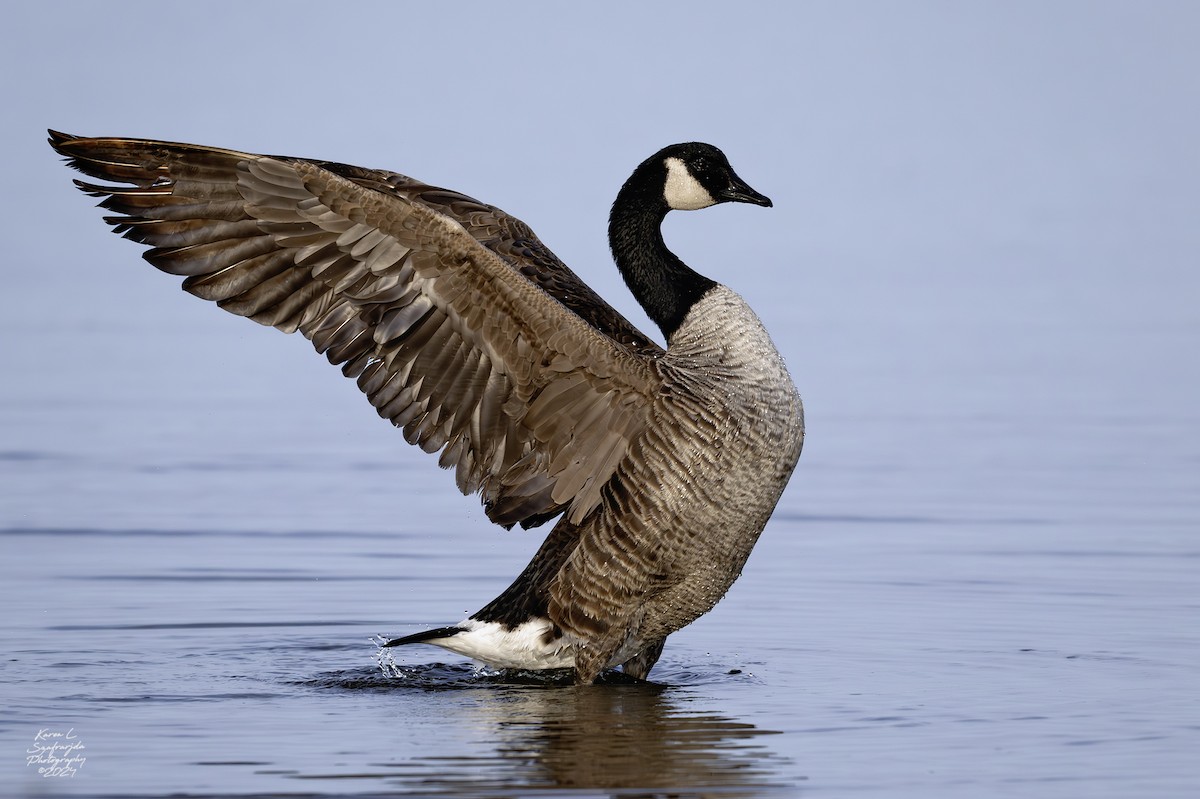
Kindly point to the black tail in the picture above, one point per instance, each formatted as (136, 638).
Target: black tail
(428, 635)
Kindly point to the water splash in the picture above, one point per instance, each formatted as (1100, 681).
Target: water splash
(468, 674)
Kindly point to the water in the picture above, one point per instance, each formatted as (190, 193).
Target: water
(959, 595)
(984, 580)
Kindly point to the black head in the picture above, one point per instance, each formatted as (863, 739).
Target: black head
(697, 175)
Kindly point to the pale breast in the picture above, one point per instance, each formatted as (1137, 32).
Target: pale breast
(737, 411)
(734, 427)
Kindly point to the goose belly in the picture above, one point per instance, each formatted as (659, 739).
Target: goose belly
(530, 645)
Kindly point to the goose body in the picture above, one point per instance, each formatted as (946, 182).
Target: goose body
(661, 466)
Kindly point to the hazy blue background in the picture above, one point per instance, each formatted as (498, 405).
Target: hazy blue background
(983, 268)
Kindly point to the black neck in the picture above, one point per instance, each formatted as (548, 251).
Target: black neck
(665, 286)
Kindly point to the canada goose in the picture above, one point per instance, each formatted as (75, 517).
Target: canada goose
(463, 329)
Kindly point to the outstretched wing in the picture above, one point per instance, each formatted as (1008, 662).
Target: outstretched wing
(456, 322)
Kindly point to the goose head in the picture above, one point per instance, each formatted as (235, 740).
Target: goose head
(681, 177)
(694, 175)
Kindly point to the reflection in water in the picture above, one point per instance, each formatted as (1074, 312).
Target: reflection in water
(624, 737)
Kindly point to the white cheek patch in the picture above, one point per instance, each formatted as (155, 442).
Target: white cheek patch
(683, 192)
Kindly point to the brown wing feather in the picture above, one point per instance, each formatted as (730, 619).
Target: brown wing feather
(515, 242)
(456, 322)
